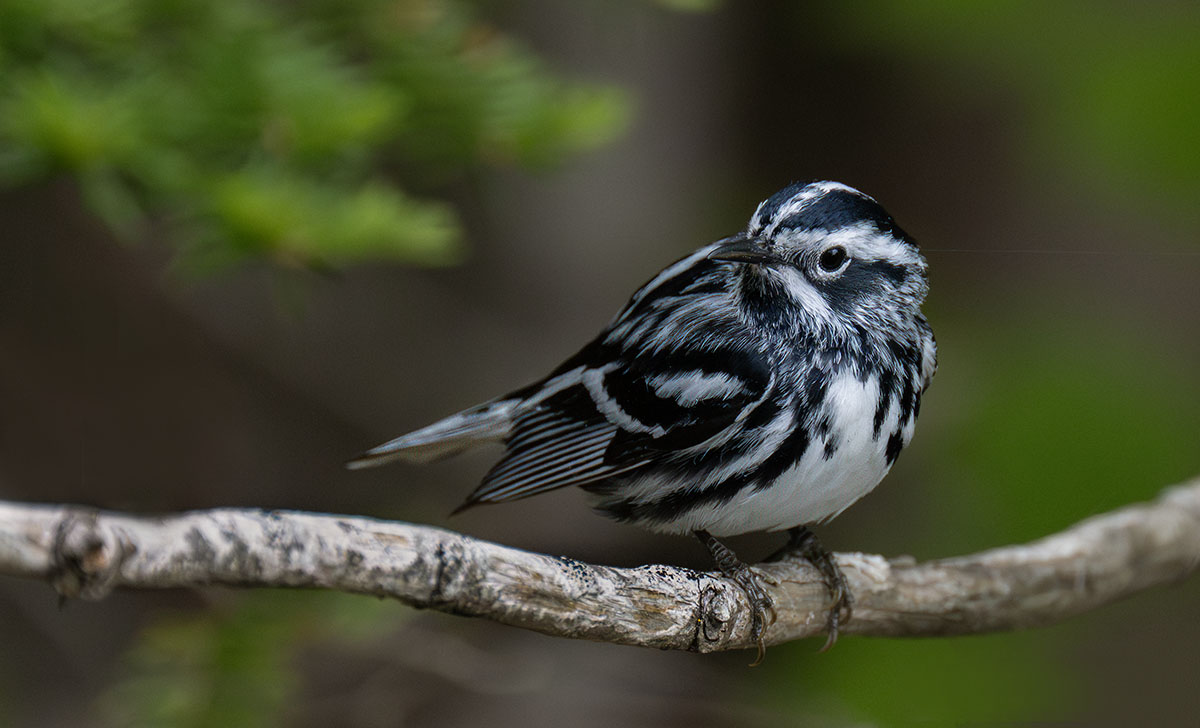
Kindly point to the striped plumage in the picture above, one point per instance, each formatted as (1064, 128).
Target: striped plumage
(763, 382)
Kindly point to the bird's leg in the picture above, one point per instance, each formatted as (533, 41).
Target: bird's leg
(802, 543)
(750, 582)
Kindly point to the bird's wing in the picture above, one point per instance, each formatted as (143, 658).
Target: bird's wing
(614, 412)
(674, 370)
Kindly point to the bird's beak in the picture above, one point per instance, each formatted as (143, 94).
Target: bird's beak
(743, 249)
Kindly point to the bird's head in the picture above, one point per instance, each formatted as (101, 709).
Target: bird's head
(831, 251)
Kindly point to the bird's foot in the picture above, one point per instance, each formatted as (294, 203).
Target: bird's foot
(761, 604)
(802, 543)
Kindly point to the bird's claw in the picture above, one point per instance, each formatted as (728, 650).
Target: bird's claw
(762, 607)
(839, 612)
(802, 543)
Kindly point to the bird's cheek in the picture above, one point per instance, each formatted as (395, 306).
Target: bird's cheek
(803, 291)
(838, 294)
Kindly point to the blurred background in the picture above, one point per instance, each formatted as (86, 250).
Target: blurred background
(243, 241)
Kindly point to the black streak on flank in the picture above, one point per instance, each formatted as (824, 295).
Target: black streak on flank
(824, 429)
(907, 397)
(789, 453)
(895, 444)
(681, 501)
(887, 384)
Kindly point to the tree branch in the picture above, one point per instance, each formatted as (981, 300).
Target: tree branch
(87, 553)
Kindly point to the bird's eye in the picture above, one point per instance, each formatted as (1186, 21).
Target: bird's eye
(833, 258)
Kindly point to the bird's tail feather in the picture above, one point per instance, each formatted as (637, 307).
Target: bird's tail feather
(485, 423)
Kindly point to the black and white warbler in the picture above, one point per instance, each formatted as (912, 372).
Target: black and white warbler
(764, 382)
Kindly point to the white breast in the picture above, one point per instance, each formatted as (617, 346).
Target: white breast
(814, 489)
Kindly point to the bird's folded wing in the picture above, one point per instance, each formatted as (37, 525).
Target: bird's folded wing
(611, 419)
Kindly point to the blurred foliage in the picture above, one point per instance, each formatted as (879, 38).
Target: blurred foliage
(1112, 90)
(691, 5)
(1002, 679)
(279, 129)
(233, 667)
(1103, 417)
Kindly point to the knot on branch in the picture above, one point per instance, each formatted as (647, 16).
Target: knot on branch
(716, 614)
(86, 557)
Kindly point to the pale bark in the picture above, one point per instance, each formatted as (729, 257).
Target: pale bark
(87, 553)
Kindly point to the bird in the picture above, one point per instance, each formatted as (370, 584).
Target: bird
(764, 382)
